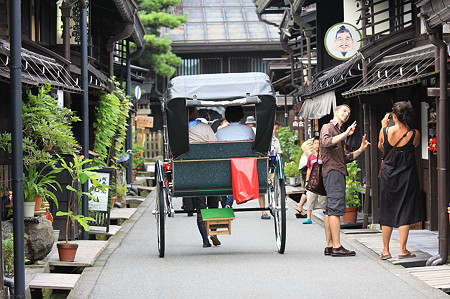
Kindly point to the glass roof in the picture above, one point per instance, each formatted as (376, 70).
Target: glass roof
(223, 21)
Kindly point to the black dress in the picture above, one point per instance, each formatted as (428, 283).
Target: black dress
(400, 196)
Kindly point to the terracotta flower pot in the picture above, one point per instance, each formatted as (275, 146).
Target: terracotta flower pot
(49, 216)
(67, 251)
(350, 214)
(37, 202)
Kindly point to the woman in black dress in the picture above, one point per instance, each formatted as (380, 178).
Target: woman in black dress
(400, 196)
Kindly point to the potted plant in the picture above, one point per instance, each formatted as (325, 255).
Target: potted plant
(291, 172)
(121, 191)
(80, 173)
(138, 160)
(47, 128)
(38, 185)
(353, 186)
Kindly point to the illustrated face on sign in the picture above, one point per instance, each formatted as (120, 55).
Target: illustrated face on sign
(343, 41)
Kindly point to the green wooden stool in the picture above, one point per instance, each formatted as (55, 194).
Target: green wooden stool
(218, 219)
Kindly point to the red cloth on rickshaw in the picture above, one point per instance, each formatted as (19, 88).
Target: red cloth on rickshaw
(244, 179)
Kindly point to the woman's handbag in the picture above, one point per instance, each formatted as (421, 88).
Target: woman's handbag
(315, 183)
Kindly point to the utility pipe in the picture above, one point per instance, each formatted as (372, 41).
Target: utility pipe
(85, 105)
(129, 142)
(366, 112)
(17, 150)
(65, 12)
(442, 154)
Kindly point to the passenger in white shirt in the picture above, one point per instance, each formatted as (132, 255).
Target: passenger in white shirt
(235, 130)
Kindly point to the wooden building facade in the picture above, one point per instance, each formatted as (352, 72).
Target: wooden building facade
(401, 57)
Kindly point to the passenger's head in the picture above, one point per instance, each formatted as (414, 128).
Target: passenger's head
(234, 113)
(404, 112)
(250, 121)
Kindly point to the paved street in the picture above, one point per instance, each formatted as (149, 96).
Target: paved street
(247, 264)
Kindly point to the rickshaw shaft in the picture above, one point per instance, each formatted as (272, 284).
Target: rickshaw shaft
(235, 210)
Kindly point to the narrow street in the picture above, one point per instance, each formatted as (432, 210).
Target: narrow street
(246, 265)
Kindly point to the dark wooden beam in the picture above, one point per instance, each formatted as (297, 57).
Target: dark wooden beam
(224, 47)
(434, 91)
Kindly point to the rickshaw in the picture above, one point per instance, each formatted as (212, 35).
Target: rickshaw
(203, 169)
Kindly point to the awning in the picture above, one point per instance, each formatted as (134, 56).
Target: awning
(318, 107)
(396, 71)
(37, 70)
(96, 77)
(335, 77)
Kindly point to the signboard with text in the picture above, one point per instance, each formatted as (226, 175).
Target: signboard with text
(101, 197)
(144, 122)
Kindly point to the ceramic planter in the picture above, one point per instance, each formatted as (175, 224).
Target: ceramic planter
(56, 234)
(28, 209)
(291, 181)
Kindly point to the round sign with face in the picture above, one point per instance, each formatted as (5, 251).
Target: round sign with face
(342, 41)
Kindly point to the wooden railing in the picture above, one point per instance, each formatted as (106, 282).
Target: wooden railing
(153, 145)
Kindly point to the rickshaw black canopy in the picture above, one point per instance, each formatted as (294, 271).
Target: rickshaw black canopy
(215, 88)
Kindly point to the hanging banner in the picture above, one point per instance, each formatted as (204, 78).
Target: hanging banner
(342, 41)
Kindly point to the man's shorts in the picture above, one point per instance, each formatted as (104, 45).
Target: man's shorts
(312, 199)
(334, 182)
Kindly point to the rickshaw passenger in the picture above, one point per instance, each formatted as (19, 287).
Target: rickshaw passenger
(233, 132)
(200, 132)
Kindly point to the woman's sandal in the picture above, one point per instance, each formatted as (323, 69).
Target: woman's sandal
(386, 256)
(300, 214)
(406, 255)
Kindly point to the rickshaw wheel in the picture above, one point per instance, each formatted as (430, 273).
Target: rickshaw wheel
(160, 211)
(277, 200)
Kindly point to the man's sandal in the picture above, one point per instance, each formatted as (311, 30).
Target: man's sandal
(300, 214)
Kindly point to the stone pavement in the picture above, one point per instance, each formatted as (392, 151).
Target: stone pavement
(245, 266)
(423, 243)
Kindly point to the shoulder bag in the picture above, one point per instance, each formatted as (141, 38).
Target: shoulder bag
(390, 151)
(315, 182)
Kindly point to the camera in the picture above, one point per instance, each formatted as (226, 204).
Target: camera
(390, 115)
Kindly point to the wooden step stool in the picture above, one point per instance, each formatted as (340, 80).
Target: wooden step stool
(219, 219)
